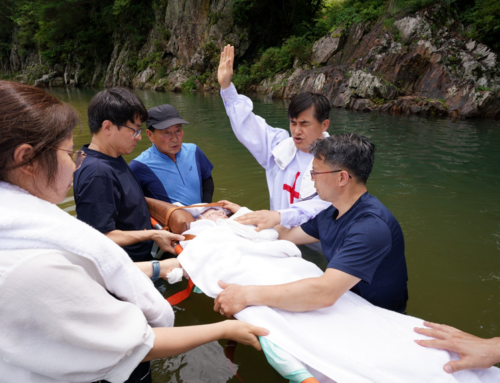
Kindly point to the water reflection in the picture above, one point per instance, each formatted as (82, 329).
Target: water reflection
(440, 179)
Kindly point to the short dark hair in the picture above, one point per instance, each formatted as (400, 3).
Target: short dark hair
(350, 151)
(304, 101)
(117, 105)
(31, 116)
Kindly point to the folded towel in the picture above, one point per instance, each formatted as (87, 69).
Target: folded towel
(27, 222)
(284, 153)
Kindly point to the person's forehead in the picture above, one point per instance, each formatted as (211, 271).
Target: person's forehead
(176, 126)
(305, 116)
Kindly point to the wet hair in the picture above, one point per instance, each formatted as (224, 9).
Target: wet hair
(117, 105)
(348, 151)
(29, 115)
(304, 101)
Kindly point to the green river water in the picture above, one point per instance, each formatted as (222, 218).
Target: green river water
(440, 179)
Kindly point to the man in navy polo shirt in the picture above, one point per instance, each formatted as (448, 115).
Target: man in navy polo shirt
(107, 194)
(361, 239)
(170, 170)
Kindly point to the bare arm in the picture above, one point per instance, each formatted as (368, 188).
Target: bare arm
(295, 235)
(166, 266)
(176, 340)
(161, 237)
(474, 352)
(304, 295)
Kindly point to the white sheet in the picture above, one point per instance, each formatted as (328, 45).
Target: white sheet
(350, 342)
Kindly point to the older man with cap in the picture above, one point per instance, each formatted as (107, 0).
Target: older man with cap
(171, 170)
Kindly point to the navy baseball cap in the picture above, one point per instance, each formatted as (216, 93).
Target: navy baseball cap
(163, 117)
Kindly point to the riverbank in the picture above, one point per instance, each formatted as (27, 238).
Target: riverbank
(381, 56)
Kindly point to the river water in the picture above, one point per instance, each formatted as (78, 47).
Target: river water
(440, 179)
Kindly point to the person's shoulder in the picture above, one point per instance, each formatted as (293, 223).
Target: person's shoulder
(145, 156)
(189, 147)
(325, 214)
(377, 208)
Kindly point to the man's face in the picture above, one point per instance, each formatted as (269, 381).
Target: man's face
(123, 139)
(214, 214)
(326, 184)
(168, 141)
(306, 128)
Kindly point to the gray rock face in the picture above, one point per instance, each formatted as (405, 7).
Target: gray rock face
(326, 47)
(413, 27)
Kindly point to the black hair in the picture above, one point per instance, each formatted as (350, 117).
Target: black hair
(350, 151)
(304, 101)
(117, 105)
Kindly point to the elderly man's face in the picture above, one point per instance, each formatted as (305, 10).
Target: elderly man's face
(306, 128)
(214, 214)
(168, 141)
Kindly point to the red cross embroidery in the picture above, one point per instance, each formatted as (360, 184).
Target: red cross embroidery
(291, 190)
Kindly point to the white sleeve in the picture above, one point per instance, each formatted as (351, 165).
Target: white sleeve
(60, 323)
(301, 212)
(251, 130)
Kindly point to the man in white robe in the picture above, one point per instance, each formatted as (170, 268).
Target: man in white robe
(286, 159)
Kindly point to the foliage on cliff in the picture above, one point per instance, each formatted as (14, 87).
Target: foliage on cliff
(64, 29)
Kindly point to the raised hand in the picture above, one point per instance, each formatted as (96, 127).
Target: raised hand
(225, 72)
(474, 352)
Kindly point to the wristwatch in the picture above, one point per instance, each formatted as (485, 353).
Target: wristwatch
(156, 270)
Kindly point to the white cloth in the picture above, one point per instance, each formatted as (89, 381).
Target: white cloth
(261, 140)
(27, 222)
(284, 153)
(350, 342)
(59, 324)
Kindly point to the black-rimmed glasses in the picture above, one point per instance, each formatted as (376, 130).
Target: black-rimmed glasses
(313, 173)
(77, 155)
(137, 132)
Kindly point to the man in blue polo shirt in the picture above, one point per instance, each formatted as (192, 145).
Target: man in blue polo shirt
(170, 170)
(361, 239)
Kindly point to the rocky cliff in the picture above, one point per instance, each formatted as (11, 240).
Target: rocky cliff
(419, 65)
(416, 63)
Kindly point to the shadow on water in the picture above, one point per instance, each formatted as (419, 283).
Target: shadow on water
(440, 179)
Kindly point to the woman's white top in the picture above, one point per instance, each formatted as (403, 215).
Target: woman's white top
(59, 324)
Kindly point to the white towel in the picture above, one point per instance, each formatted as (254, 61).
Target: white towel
(27, 222)
(350, 342)
(284, 153)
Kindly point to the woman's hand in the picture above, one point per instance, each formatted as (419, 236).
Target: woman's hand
(244, 333)
(167, 265)
(231, 206)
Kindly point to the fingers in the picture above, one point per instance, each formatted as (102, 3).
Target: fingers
(176, 237)
(223, 285)
(438, 334)
(459, 365)
(217, 304)
(434, 343)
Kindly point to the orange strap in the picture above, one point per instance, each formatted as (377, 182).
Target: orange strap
(181, 295)
(310, 380)
(169, 213)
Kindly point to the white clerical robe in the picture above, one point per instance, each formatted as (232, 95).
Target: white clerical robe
(286, 176)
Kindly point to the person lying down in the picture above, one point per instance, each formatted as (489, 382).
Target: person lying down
(352, 341)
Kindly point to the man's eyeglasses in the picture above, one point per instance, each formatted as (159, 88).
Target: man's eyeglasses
(77, 155)
(313, 173)
(137, 132)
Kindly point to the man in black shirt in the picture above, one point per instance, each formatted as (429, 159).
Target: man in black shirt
(107, 194)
